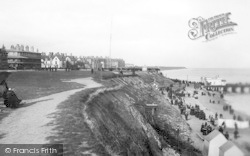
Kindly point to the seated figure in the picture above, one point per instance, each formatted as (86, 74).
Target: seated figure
(9, 96)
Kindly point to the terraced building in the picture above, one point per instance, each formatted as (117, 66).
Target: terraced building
(3, 58)
(23, 58)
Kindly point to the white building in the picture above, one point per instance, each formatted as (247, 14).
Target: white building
(114, 64)
(216, 81)
(53, 60)
(57, 62)
(45, 62)
(212, 143)
(129, 65)
(230, 149)
(102, 64)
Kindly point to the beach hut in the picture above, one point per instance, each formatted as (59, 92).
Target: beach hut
(212, 142)
(230, 149)
(152, 107)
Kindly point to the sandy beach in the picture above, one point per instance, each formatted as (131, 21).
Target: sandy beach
(243, 141)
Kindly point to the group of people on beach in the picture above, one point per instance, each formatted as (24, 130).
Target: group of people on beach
(176, 98)
(197, 112)
(206, 128)
(179, 102)
(222, 127)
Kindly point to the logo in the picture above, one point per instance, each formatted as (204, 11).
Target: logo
(7, 150)
(211, 28)
(31, 149)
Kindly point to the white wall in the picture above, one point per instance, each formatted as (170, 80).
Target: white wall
(205, 148)
(215, 144)
(234, 151)
(56, 60)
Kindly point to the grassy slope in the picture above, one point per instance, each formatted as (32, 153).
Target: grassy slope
(117, 120)
(72, 129)
(111, 134)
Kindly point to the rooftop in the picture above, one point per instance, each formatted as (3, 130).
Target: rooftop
(212, 135)
(226, 146)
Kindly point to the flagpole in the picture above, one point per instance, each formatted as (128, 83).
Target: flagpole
(110, 41)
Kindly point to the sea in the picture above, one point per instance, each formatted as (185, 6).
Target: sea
(240, 102)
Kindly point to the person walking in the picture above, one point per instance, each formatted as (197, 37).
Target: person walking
(186, 115)
(236, 134)
(226, 135)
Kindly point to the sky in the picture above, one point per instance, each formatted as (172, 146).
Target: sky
(144, 32)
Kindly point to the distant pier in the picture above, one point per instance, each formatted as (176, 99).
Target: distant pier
(231, 88)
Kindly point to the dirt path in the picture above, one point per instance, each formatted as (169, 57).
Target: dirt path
(29, 124)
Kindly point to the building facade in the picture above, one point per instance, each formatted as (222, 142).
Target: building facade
(61, 60)
(25, 57)
(19, 58)
(45, 61)
(3, 58)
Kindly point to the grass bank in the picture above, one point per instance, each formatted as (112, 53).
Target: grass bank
(115, 120)
(34, 84)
